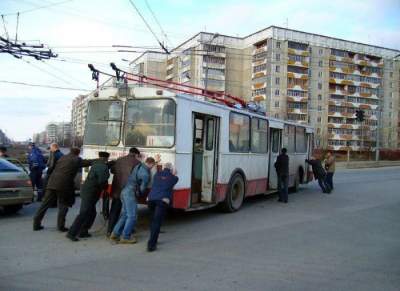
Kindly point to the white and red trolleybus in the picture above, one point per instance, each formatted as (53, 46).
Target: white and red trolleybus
(222, 154)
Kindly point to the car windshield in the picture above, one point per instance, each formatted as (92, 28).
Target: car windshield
(103, 123)
(6, 166)
(150, 123)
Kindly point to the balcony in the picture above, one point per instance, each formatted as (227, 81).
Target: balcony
(260, 50)
(260, 74)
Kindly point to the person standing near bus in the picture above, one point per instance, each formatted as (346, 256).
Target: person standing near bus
(95, 183)
(135, 187)
(36, 167)
(120, 169)
(159, 199)
(330, 168)
(319, 174)
(282, 171)
(55, 155)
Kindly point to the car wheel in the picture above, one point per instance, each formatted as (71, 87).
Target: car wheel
(11, 209)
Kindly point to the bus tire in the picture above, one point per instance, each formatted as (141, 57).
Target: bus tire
(235, 194)
(296, 184)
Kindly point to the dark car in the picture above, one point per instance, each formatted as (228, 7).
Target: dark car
(15, 187)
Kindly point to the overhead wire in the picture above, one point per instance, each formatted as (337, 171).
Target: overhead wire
(44, 86)
(156, 20)
(148, 26)
(47, 72)
(37, 8)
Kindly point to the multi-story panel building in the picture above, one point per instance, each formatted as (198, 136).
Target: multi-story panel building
(78, 118)
(303, 77)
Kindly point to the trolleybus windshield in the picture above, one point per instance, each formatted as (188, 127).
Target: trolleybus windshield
(103, 123)
(150, 123)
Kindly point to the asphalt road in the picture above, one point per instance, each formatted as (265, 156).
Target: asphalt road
(349, 240)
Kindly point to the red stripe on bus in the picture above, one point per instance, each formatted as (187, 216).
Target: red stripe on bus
(256, 186)
(181, 198)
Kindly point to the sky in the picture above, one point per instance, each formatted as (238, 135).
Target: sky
(84, 31)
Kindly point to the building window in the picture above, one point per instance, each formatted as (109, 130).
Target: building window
(391, 84)
(276, 115)
(319, 119)
(277, 81)
(318, 130)
(278, 57)
(391, 105)
(320, 74)
(276, 104)
(320, 63)
(319, 86)
(278, 44)
(319, 108)
(277, 92)
(321, 51)
(277, 69)
(391, 74)
(239, 132)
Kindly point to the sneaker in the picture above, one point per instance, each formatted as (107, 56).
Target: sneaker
(132, 240)
(113, 237)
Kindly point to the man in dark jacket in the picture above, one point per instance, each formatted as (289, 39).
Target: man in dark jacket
(55, 155)
(36, 167)
(60, 188)
(120, 169)
(159, 199)
(282, 171)
(319, 174)
(95, 183)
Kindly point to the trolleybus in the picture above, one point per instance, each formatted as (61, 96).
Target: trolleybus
(222, 154)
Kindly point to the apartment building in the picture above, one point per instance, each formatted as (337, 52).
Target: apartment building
(78, 117)
(299, 76)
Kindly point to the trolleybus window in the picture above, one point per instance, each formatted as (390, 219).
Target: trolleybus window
(150, 123)
(289, 138)
(103, 123)
(275, 140)
(239, 132)
(210, 135)
(259, 135)
(301, 140)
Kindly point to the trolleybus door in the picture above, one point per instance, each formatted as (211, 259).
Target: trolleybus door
(204, 158)
(275, 146)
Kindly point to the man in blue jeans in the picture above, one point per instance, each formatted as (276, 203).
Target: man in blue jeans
(159, 199)
(135, 187)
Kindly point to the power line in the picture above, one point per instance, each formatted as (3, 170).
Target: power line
(47, 72)
(43, 86)
(148, 26)
(156, 20)
(64, 74)
(37, 8)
